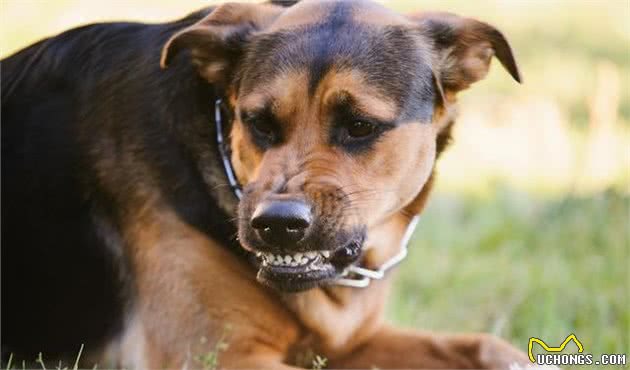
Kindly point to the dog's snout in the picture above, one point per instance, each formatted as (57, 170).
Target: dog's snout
(282, 221)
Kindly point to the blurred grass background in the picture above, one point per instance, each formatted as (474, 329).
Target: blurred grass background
(528, 231)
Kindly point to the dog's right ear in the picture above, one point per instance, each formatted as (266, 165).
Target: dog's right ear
(218, 40)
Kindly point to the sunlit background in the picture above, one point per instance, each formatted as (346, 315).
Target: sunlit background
(528, 231)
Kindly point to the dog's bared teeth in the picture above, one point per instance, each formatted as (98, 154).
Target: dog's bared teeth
(312, 260)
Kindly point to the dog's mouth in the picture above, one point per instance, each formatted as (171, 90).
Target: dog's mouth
(305, 270)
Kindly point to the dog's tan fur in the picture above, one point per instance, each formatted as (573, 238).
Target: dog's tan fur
(192, 298)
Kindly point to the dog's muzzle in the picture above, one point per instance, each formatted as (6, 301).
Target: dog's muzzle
(292, 254)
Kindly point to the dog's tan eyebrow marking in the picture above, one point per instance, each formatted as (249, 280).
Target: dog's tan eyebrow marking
(365, 96)
(374, 106)
(253, 102)
(279, 86)
(345, 108)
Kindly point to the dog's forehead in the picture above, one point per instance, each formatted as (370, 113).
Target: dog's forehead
(320, 38)
(311, 12)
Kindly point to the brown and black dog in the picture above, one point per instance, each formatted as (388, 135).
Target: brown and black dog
(121, 230)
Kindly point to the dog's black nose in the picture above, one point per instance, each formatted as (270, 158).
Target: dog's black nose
(282, 221)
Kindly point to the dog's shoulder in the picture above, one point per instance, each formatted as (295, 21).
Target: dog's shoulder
(81, 55)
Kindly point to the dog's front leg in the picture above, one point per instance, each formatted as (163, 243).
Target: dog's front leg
(395, 349)
(196, 303)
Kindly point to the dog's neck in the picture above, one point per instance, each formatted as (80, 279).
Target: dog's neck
(327, 312)
(338, 318)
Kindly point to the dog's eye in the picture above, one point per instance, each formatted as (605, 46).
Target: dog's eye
(263, 128)
(357, 134)
(361, 129)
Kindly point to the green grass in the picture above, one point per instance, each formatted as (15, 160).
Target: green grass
(519, 267)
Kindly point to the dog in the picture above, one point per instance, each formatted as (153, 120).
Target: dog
(235, 184)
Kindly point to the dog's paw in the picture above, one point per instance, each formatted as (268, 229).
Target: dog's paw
(495, 353)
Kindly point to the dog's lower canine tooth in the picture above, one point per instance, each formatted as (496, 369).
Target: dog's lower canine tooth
(326, 254)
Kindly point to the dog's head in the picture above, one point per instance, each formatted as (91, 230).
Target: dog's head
(337, 109)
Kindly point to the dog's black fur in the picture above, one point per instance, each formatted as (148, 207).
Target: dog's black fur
(83, 114)
(91, 127)
(80, 112)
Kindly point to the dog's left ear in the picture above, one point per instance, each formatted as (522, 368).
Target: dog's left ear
(463, 49)
(217, 41)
